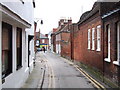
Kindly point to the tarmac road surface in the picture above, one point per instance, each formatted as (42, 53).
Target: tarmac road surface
(61, 74)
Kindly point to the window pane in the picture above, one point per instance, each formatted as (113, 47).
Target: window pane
(19, 48)
(88, 38)
(6, 49)
(93, 38)
(98, 37)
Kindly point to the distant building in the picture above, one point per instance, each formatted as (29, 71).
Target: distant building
(37, 40)
(61, 38)
(53, 47)
(44, 41)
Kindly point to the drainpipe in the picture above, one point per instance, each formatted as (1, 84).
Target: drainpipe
(103, 46)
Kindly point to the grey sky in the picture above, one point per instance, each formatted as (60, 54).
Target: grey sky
(50, 11)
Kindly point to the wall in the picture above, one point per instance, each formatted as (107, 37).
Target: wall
(19, 8)
(82, 53)
(25, 11)
(65, 45)
(46, 41)
(58, 43)
(17, 77)
(112, 71)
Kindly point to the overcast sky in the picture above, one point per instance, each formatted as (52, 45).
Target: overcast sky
(51, 11)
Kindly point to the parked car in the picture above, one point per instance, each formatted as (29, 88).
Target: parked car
(39, 49)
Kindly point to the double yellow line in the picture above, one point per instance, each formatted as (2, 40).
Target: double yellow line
(93, 81)
(51, 83)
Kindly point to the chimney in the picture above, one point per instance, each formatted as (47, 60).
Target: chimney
(54, 29)
(46, 35)
(70, 21)
(61, 22)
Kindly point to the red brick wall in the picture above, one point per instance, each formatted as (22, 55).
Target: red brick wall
(81, 52)
(66, 45)
(46, 41)
(111, 70)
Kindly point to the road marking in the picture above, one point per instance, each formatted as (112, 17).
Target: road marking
(93, 81)
(51, 83)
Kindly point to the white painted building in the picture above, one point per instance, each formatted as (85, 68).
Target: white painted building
(16, 40)
(58, 45)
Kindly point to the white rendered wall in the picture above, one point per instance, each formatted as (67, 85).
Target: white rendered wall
(17, 78)
(25, 10)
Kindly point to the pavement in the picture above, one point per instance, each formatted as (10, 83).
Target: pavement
(35, 78)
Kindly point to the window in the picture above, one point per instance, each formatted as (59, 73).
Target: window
(107, 56)
(88, 38)
(43, 41)
(118, 44)
(19, 48)
(93, 38)
(6, 49)
(98, 38)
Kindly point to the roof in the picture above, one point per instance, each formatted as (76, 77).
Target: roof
(88, 14)
(110, 13)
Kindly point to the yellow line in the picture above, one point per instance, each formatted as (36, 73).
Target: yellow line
(51, 78)
(93, 81)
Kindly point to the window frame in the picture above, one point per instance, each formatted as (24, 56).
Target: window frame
(108, 42)
(98, 38)
(19, 61)
(93, 38)
(43, 40)
(89, 38)
(117, 62)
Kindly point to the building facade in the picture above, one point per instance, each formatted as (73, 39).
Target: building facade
(98, 43)
(88, 47)
(16, 42)
(37, 40)
(44, 41)
(61, 38)
(111, 24)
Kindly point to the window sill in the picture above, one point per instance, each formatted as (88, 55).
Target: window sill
(19, 67)
(98, 50)
(107, 59)
(88, 48)
(116, 63)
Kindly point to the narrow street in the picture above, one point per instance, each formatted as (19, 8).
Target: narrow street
(61, 74)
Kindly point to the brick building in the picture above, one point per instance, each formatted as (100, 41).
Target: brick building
(88, 48)
(53, 39)
(93, 41)
(44, 41)
(66, 40)
(111, 43)
(98, 43)
(61, 38)
(37, 40)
